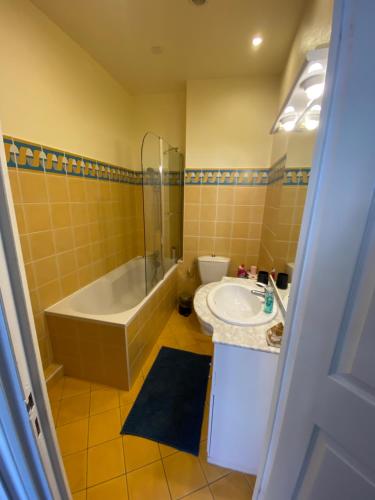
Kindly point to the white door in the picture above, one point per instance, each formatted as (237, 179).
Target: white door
(322, 432)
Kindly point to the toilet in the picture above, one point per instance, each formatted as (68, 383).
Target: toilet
(211, 269)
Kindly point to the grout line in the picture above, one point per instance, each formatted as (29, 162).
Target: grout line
(106, 481)
(88, 439)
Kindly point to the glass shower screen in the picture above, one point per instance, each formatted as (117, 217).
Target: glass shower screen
(162, 168)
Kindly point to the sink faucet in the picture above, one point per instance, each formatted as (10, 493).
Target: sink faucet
(258, 292)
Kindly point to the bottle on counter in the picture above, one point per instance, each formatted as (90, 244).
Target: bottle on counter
(241, 271)
(268, 300)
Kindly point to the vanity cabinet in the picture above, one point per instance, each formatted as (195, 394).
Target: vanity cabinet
(241, 393)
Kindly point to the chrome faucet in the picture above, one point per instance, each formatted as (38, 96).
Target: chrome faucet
(258, 292)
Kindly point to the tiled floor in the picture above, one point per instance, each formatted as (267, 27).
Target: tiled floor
(101, 464)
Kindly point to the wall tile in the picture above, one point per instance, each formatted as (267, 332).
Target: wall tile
(68, 219)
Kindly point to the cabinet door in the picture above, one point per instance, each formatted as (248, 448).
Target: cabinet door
(242, 387)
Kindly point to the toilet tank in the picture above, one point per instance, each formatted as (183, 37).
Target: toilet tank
(212, 268)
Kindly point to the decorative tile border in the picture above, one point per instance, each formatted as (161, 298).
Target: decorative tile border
(34, 157)
(227, 177)
(277, 170)
(291, 176)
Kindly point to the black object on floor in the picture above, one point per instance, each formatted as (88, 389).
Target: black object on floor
(169, 408)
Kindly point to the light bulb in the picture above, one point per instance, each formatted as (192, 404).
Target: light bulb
(313, 86)
(314, 91)
(317, 66)
(289, 109)
(288, 123)
(256, 41)
(311, 123)
(317, 108)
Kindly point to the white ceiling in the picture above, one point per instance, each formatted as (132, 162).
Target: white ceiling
(212, 41)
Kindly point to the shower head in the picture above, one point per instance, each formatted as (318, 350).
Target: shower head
(170, 149)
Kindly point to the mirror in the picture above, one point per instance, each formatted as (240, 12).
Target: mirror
(285, 201)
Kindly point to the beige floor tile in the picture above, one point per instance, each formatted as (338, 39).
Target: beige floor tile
(124, 412)
(184, 338)
(115, 489)
(234, 487)
(105, 462)
(184, 474)
(55, 407)
(74, 408)
(104, 426)
(251, 480)
(103, 400)
(165, 450)
(203, 494)
(74, 386)
(139, 452)
(56, 389)
(75, 468)
(100, 387)
(79, 495)
(128, 397)
(150, 360)
(212, 472)
(73, 437)
(148, 483)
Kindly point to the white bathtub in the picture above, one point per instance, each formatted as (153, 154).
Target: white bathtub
(114, 298)
(105, 331)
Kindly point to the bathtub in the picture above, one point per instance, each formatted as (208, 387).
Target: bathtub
(104, 331)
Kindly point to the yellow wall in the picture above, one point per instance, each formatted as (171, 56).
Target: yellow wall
(282, 219)
(162, 114)
(228, 122)
(227, 126)
(52, 92)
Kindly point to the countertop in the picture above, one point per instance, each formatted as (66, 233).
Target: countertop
(249, 337)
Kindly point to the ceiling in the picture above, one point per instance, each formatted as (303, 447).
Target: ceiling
(211, 41)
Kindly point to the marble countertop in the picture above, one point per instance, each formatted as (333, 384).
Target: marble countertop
(249, 337)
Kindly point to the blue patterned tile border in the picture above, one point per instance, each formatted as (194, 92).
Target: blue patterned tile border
(277, 170)
(34, 157)
(296, 176)
(291, 176)
(227, 177)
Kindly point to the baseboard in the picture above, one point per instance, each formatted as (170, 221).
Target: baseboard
(53, 373)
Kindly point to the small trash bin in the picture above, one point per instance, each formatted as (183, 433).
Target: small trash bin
(185, 304)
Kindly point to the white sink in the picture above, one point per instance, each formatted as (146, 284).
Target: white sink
(234, 303)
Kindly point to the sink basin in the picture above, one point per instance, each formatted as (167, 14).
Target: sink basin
(234, 303)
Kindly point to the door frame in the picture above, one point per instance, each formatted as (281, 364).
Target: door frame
(23, 338)
(329, 157)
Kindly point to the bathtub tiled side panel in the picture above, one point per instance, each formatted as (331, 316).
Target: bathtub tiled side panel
(144, 330)
(90, 350)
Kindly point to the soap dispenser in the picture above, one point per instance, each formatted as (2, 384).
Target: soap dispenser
(268, 300)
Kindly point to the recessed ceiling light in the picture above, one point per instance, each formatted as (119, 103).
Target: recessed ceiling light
(256, 41)
(198, 3)
(156, 50)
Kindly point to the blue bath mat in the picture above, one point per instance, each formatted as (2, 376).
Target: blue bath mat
(169, 408)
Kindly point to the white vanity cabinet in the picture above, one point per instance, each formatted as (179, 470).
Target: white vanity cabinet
(241, 393)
